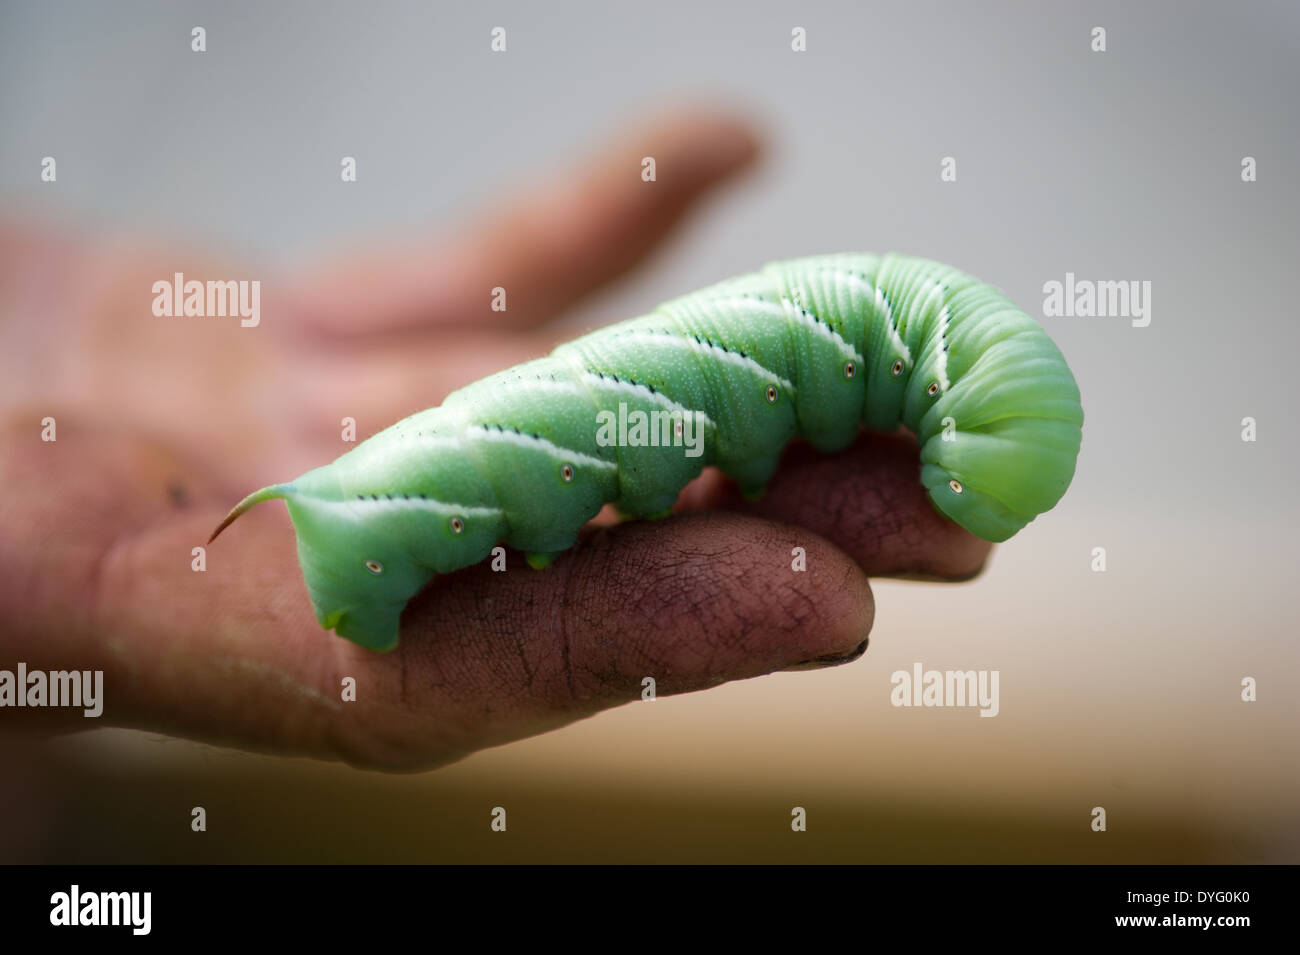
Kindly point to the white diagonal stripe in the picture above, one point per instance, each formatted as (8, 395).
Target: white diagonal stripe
(435, 440)
(592, 380)
(642, 391)
(883, 304)
(943, 352)
(528, 441)
(449, 508)
(547, 384)
(788, 309)
(943, 331)
(802, 316)
(713, 351)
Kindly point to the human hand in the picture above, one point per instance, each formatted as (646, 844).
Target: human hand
(163, 423)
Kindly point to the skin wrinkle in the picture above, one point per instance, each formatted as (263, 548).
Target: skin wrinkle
(812, 615)
(565, 641)
(591, 585)
(808, 604)
(403, 670)
(360, 735)
(519, 645)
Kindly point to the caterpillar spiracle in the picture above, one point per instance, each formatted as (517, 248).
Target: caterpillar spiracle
(725, 376)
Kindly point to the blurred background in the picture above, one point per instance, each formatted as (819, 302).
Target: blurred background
(1119, 689)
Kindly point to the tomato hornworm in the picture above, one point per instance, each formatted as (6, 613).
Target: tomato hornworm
(725, 376)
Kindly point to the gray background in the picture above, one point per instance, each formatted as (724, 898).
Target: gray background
(1118, 689)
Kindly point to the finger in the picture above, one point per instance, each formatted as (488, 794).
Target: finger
(867, 500)
(688, 603)
(565, 237)
(233, 655)
(226, 649)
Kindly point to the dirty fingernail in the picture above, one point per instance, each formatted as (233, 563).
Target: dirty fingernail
(832, 660)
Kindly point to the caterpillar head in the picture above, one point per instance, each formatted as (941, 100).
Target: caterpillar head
(999, 446)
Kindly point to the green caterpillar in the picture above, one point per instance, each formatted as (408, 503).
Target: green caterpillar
(725, 376)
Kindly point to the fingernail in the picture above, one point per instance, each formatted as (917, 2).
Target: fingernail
(833, 660)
